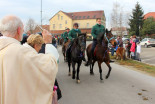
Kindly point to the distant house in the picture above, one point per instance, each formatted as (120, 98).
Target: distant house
(37, 29)
(86, 20)
(119, 31)
(149, 15)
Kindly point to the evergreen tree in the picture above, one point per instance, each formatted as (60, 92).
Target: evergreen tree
(136, 20)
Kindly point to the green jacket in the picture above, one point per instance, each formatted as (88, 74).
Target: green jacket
(73, 34)
(97, 29)
(65, 36)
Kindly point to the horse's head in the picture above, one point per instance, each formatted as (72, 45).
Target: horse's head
(81, 41)
(110, 38)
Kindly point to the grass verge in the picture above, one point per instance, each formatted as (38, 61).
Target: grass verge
(149, 69)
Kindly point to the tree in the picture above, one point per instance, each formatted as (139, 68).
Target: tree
(117, 18)
(148, 26)
(30, 25)
(136, 20)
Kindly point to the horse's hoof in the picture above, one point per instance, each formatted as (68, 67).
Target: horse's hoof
(101, 79)
(69, 74)
(78, 81)
(106, 77)
(91, 73)
(73, 77)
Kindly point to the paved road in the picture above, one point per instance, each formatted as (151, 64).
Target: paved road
(122, 87)
(148, 55)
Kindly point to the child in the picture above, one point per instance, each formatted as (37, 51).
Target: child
(138, 51)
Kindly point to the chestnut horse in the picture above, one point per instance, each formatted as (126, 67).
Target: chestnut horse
(101, 52)
(120, 53)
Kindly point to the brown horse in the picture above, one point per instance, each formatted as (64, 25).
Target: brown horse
(101, 52)
(64, 49)
(61, 41)
(120, 53)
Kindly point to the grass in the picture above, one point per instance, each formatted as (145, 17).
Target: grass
(150, 69)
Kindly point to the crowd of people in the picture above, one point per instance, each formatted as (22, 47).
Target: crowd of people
(132, 46)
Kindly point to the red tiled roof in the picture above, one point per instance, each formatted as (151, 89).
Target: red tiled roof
(150, 14)
(85, 15)
(37, 29)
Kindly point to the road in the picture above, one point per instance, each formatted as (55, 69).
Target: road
(148, 55)
(122, 87)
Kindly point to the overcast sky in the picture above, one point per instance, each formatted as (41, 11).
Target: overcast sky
(26, 9)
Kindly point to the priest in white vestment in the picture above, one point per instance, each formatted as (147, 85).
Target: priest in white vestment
(26, 77)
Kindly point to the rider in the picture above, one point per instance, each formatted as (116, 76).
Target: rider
(65, 35)
(73, 35)
(96, 30)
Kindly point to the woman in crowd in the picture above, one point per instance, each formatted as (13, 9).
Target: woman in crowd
(133, 46)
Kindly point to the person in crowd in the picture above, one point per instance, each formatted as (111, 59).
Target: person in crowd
(36, 41)
(112, 50)
(128, 46)
(1, 35)
(133, 47)
(138, 51)
(71, 36)
(24, 40)
(54, 42)
(28, 77)
(119, 41)
(65, 35)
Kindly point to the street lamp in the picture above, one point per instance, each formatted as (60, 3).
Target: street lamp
(41, 13)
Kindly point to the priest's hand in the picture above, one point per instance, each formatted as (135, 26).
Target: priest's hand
(47, 37)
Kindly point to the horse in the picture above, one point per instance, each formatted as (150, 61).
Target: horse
(120, 53)
(77, 52)
(64, 49)
(61, 41)
(101, 52)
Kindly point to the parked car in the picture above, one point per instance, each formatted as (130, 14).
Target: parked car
(147, 42)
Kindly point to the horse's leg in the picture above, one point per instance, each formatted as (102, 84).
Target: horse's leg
(100, 70)
(92, 67)
(78, 70)
(108, 64)
(73, 72)
(69, 64)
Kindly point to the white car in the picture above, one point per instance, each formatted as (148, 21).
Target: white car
(147, 42)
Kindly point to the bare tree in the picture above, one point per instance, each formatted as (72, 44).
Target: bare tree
(30, 25)
(117, 18)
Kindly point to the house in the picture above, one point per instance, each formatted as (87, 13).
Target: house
(37, 29)
(86, 20)
(150, 14)
(119, 31)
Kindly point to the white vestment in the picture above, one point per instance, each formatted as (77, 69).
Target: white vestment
(26, 77)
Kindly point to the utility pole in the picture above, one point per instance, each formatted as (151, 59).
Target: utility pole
(41, 13)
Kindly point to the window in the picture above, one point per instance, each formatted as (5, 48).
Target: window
(53, 26)
(87, 16)
(94, 16)
(60, 26)
(79, 17)
(87, 25)
(58, 16)
(61, 17)
(83, 17)
(66, 22)
(76, 17)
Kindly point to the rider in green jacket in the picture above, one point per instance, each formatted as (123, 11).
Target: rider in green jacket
(73, 35)
(65, 35)
(96, 30)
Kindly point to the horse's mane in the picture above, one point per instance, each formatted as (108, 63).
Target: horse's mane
(100, 37)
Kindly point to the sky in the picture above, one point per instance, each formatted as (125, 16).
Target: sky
(26, 9)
